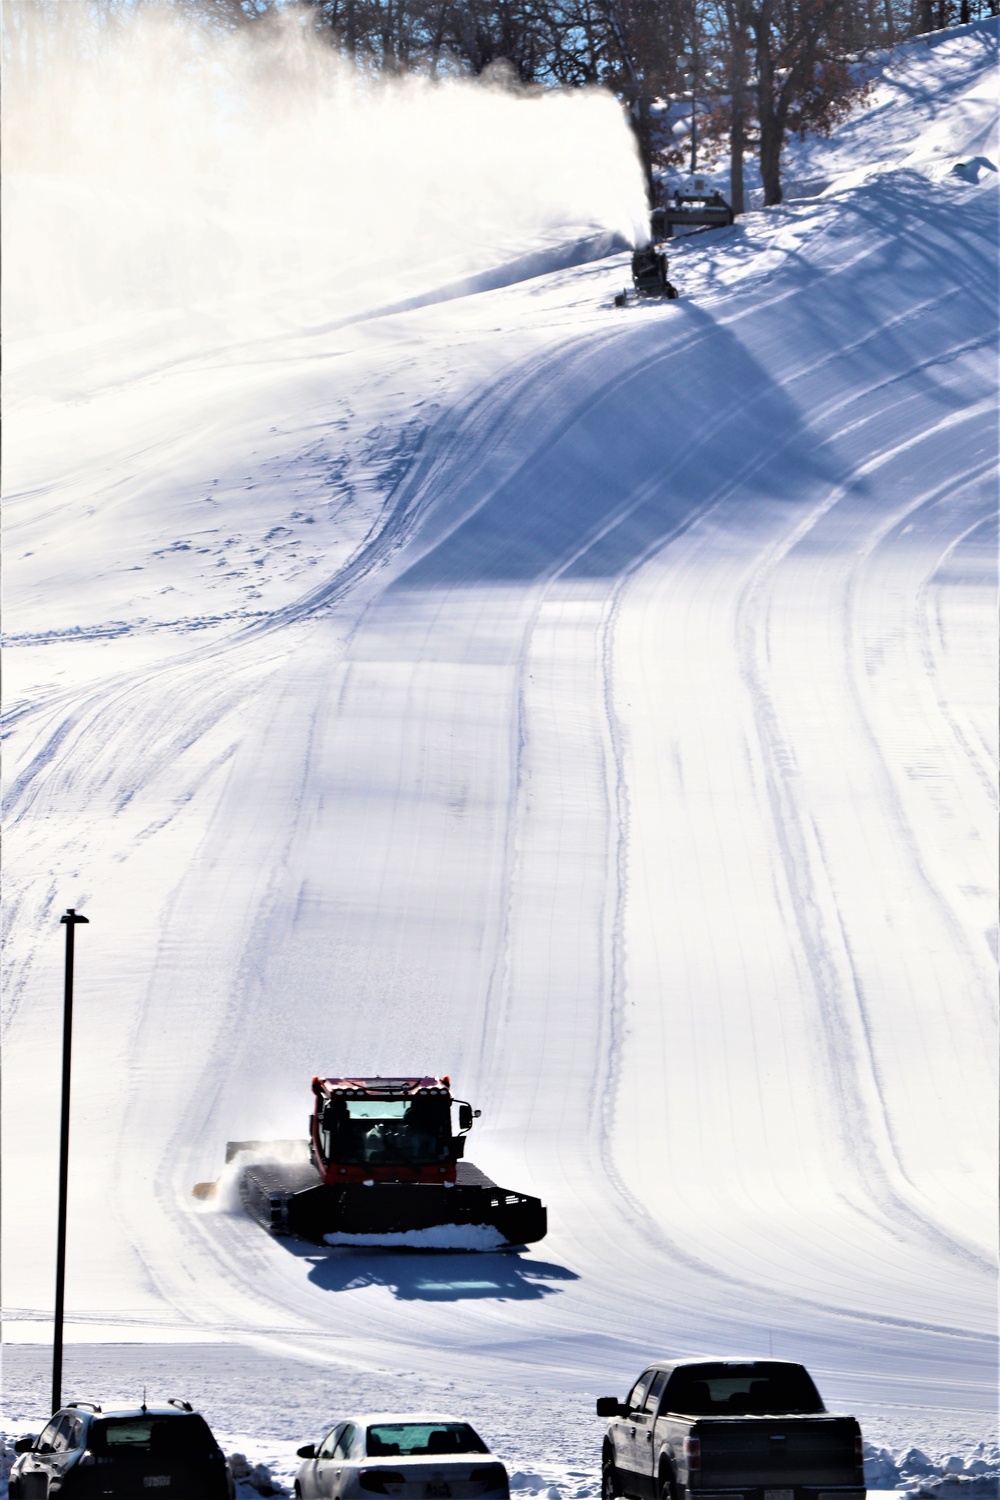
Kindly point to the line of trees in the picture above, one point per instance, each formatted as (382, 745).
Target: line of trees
(747, 72)
(755, 70)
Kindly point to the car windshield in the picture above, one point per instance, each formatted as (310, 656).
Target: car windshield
(758, 1389)
(391, 1439)
(183, 1436)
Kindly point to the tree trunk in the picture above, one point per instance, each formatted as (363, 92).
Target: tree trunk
(890, 24)
(737, 147)
(770, 161)
(736, 24)
(771, 126)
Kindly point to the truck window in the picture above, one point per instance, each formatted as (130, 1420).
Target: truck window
(638, 1393)
(47, 1440)
(72, 1432)
(57, 1436)
(756, 1389)
(184, 1436)
(387, 1132)
(652, 1400)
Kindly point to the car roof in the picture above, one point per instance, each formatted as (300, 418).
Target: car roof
(369, 1418)
(673, 1363)
(124, 1411)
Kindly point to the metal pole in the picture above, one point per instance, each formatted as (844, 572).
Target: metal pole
(70, 920)
(694, 125)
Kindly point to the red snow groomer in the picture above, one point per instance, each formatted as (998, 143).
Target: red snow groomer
(383, 1165)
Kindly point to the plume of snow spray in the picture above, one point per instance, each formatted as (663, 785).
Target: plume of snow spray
(161, 166)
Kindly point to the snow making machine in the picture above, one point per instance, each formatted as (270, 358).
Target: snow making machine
(649, 277)
(383, 1165)
(649, 271)
(690, 211)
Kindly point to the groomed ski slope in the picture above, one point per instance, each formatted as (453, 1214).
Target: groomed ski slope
(596, 706)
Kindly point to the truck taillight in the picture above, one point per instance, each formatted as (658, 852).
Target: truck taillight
(859, 1451)
(692, 1452)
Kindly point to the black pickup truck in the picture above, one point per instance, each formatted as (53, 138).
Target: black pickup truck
(728, 1430)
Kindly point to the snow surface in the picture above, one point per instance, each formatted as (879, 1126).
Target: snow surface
(597, 706)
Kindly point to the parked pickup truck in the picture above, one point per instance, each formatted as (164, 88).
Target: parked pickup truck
(728, 1430)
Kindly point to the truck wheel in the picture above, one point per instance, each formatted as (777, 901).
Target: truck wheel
(666, 1489)
(610, 1488)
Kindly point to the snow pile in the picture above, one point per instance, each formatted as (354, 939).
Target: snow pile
(976, 1475)
(913, 1471)
(253, 180)
(255, 1478)
(7, 1457)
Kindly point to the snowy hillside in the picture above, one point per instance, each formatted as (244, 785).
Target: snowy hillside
(598, 706)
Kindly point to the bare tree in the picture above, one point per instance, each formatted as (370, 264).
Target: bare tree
(736, 18)
(805, 80)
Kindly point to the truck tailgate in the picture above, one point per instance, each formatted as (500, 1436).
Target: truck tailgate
(777, 1451)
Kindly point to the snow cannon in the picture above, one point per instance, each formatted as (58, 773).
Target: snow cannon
(383, 1165)
(649, 269)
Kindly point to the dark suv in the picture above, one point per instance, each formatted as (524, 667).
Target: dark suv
(125, 1453)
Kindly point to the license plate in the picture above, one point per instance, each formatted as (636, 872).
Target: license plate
(779, 1495)
(437, 1491)
(156, 1481)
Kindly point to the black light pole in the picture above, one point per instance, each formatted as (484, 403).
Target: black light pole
(688, 64)
(70, 920)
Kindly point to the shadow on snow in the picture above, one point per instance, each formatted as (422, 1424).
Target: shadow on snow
(428, 1276)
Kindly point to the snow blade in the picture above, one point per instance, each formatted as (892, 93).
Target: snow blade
(291, 1198)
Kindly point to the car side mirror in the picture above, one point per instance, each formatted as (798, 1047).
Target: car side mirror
(610, 1406)
(465, 1117)
(25, 1444)
(309, 1451)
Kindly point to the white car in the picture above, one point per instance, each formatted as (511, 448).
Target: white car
(414, 1456)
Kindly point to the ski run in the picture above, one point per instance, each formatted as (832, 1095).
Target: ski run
(416, 665)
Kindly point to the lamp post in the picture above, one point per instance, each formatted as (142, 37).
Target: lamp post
(689, 71)
(70, 920)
